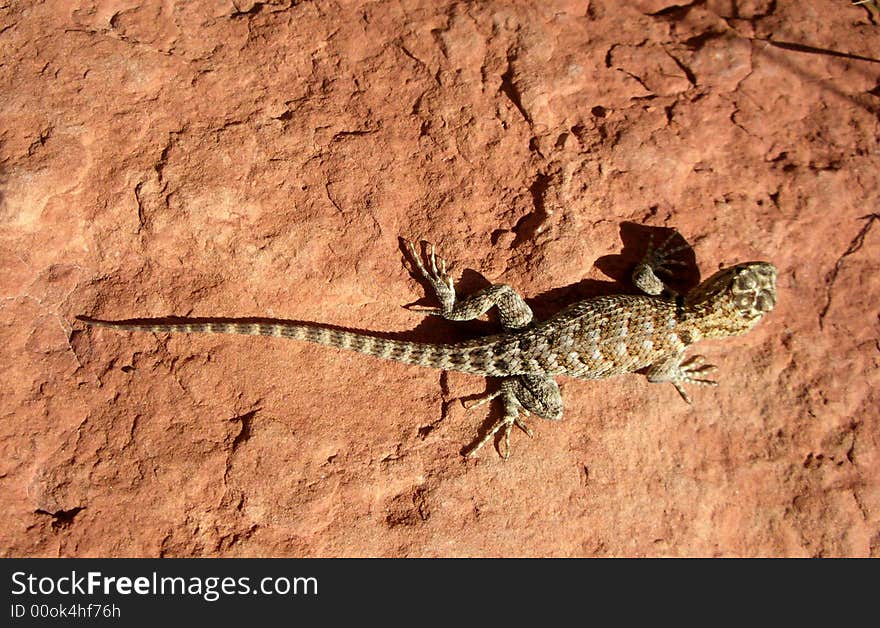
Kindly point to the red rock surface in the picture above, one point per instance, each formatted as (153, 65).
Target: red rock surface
(261, 159)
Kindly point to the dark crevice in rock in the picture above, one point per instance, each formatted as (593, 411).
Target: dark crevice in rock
(509, 89)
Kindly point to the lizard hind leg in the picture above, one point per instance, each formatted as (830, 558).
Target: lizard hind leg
(528, 394)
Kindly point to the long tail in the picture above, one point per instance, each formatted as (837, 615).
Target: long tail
(475, 356)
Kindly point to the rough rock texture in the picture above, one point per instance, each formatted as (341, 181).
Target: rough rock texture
(261, 159)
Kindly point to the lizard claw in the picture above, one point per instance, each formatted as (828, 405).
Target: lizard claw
(433, 311)
(693, 371)
(656, 262)
(470, 404)
(433, 269)
(682, 391)
(512, 408)
(658, 258)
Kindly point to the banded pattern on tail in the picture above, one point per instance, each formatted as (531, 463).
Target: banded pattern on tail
(473, 357)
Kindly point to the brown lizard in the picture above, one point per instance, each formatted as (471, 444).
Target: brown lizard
(592, 339)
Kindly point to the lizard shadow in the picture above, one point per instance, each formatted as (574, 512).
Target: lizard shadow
(636, 240)
(436, 329)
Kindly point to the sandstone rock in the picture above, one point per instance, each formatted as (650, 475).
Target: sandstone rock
(262, 158)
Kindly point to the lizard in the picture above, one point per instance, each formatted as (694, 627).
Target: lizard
(595, 338)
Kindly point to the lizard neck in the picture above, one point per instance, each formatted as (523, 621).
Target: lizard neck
(730, 302)
(711, 318)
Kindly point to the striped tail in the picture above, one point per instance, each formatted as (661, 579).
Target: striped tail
(473, 357)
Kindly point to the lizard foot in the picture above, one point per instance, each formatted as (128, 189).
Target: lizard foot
(658, 258)
(433, 269)
(512, 408)
(656, 262)
(693, 371)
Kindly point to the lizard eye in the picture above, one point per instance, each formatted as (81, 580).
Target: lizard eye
(743, 301)
(765, 302)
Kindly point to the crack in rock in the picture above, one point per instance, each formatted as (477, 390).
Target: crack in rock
(854, 245)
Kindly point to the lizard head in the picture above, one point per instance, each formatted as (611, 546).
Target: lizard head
(734, 299)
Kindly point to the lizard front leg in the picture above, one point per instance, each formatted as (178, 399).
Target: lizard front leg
(674, 368)
(678, 371)
(656, 262)
(513, 311)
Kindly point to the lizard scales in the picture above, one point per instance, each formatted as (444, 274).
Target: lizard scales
(595, 338)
